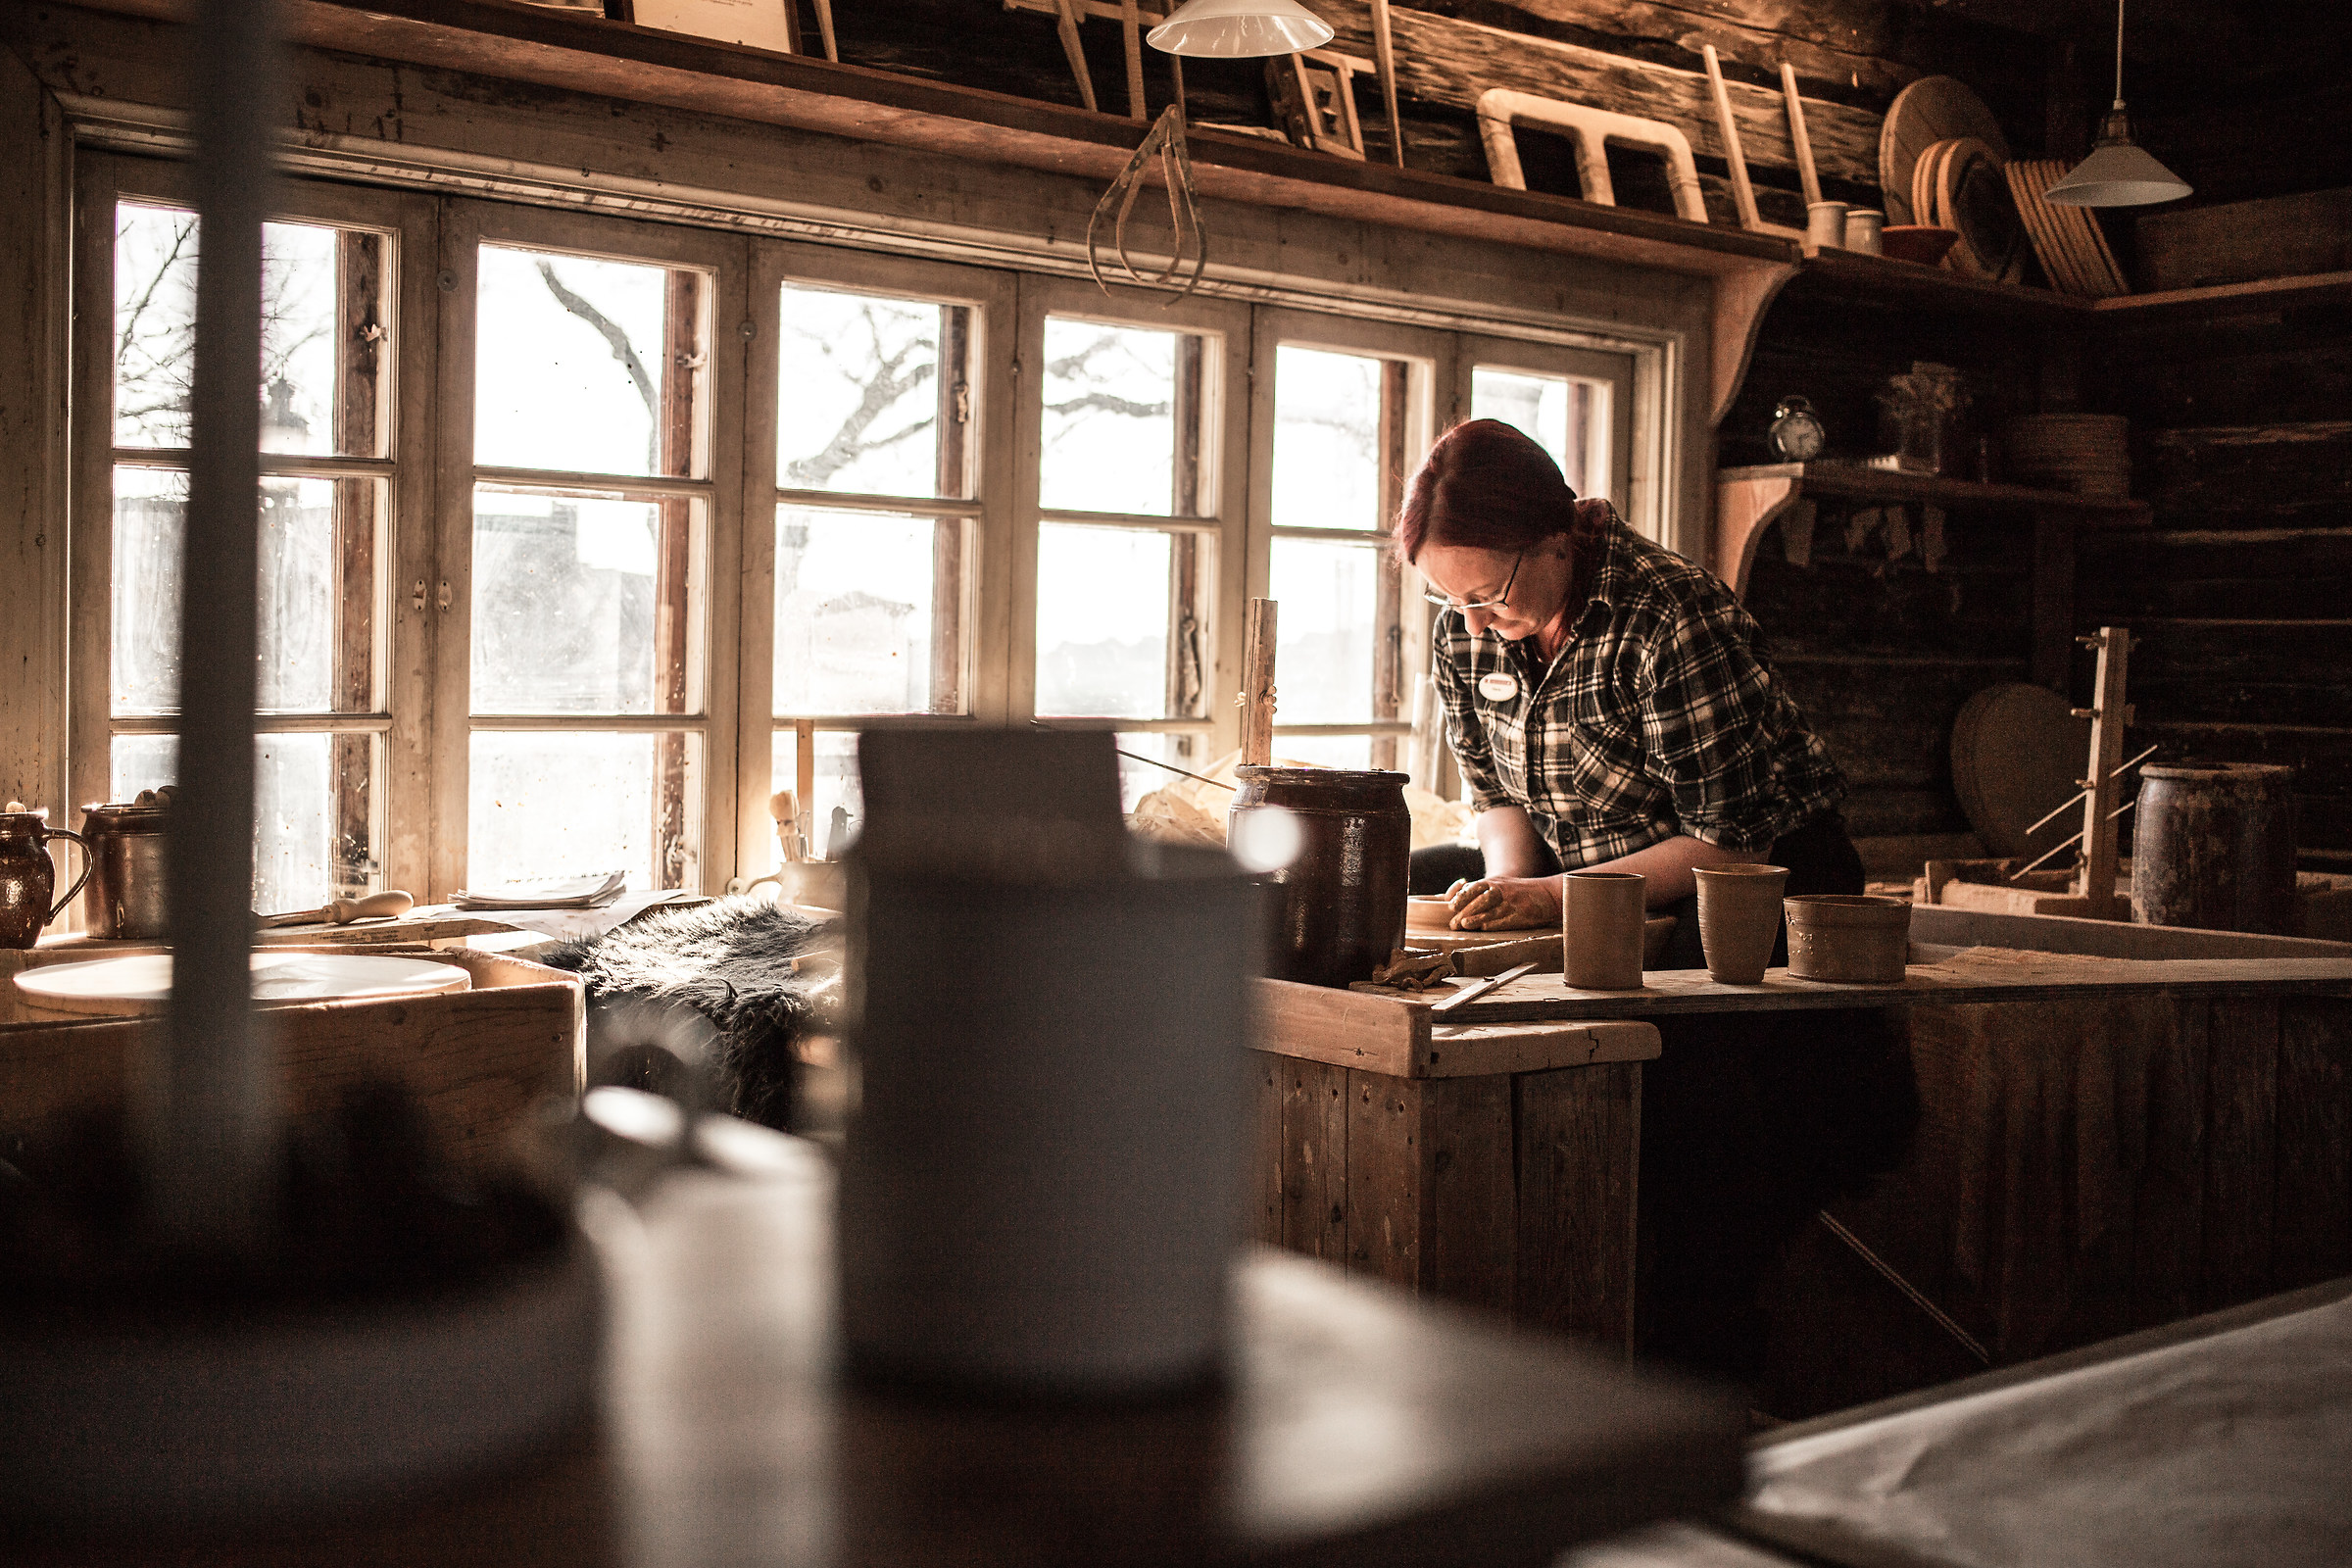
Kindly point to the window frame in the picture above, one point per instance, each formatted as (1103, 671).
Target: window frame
(1225, 521)
(1477, 351)
(467, 225)
(395, 718)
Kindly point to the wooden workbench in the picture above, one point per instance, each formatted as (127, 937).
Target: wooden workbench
(1495, 1159)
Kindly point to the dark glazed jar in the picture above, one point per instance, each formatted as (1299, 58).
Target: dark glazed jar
(1341, 900)
(28, 876)
(2215, 848)
(126, 871)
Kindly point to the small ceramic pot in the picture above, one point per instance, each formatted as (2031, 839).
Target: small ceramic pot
(1863, 226)
(1824, 226)
(1602, 917)
(28, 876)
(1848, 937)
(1740, 920)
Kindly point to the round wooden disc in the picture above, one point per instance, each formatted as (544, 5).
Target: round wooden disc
(2026, 187)
(1931, 110)
(2017, 751)
(141, 983)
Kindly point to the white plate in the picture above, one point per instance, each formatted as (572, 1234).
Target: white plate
(142, 982)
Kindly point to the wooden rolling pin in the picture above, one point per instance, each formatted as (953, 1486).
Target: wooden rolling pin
(389, 904)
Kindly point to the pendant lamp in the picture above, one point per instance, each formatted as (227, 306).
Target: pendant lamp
(2118, 173)
(1237, 28)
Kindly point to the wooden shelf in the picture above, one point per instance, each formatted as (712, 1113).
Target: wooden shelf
(1855, 481)
(2224, 299)
(1885, 278)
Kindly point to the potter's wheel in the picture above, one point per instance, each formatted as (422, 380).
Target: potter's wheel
(141, 983)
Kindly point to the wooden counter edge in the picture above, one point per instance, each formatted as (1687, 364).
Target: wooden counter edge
(1386, 1035)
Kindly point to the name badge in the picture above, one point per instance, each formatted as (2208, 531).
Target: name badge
(1499, 687)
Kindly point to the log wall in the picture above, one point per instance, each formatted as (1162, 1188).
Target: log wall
(2241, 591)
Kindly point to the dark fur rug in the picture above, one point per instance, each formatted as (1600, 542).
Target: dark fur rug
(704, 1004)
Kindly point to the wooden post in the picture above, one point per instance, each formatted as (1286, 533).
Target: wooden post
(1257, 683)
(1131, 38)
(2109, 716)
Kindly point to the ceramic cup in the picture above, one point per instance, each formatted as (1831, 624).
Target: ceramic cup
(1824, 226)
(1602, 919)
(1740, 920)
(1863, 226)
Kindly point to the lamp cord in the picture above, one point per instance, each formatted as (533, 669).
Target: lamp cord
(2119, 54)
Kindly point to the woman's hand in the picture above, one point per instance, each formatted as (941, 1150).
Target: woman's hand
(1504, 903)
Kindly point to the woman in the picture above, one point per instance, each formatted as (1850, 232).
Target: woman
(1611, 706)
(1609, 703)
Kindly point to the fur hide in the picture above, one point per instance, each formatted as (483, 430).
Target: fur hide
(705, 1004)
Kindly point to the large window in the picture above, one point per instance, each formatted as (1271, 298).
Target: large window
(581, 536)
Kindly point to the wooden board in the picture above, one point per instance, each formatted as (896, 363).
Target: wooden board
(1579, 1159)
(1365, 1031)
(1931, 110)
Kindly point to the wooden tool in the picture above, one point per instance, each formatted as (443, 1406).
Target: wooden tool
(2109, 715)
(1131, 38)
(1384, 58)
(1257, 683)
(1068, 27)
(1743, 194)
(389, 904)
(1472, 992)
(824, 30)
(1805, 172)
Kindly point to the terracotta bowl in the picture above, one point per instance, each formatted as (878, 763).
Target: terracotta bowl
(1923, 243)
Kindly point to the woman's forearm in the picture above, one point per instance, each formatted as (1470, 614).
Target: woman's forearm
(1508, 838)
(1667, 866)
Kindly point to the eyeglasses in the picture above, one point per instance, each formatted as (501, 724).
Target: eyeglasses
(1501, 600)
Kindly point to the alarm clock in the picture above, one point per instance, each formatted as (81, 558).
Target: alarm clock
(1795, 431)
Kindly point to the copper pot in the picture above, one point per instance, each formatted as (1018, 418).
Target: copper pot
(28, 876)
(1342, 904)
(126, 871)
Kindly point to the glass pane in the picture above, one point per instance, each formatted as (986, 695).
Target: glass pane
(1326, 440)
(568, 605)
(550, 804)
(859, 393)
(1110, 419)
(1325, 632)
(154, 331)
(1102, 621)
(836, 779)
(305, 621)
(568, 363)
(856, 612)
(1567, 416)
(1324, 751)
(314, 832)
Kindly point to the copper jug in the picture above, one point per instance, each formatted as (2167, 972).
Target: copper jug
(28, 876)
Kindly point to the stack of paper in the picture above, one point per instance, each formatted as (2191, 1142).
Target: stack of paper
(560, 893)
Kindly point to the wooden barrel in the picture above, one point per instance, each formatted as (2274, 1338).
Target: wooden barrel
(1341, 902)
(2215, 848)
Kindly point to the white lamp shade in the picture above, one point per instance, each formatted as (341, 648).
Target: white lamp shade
(2117, 173)
(1234, 28)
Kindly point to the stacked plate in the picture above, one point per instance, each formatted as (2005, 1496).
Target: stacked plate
(1957, 185)
(2089, 454)
(2069, 241)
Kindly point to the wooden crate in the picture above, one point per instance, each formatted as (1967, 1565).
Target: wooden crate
(476, 1060)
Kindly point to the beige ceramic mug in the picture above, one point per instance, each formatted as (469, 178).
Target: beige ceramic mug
(1740, 920)
(1601, 916)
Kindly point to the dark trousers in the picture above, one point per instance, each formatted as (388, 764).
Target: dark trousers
(1750, 1122)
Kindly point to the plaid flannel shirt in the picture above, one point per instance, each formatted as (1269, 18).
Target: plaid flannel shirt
(1660, 717)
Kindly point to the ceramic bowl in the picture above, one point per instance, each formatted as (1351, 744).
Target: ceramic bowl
(1923, 243)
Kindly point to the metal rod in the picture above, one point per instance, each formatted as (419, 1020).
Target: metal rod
(2070, 843)
(2060, 809)
(1917, 1298)
(210, 1130)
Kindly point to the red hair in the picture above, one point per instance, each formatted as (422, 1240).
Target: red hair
(1485, 486)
